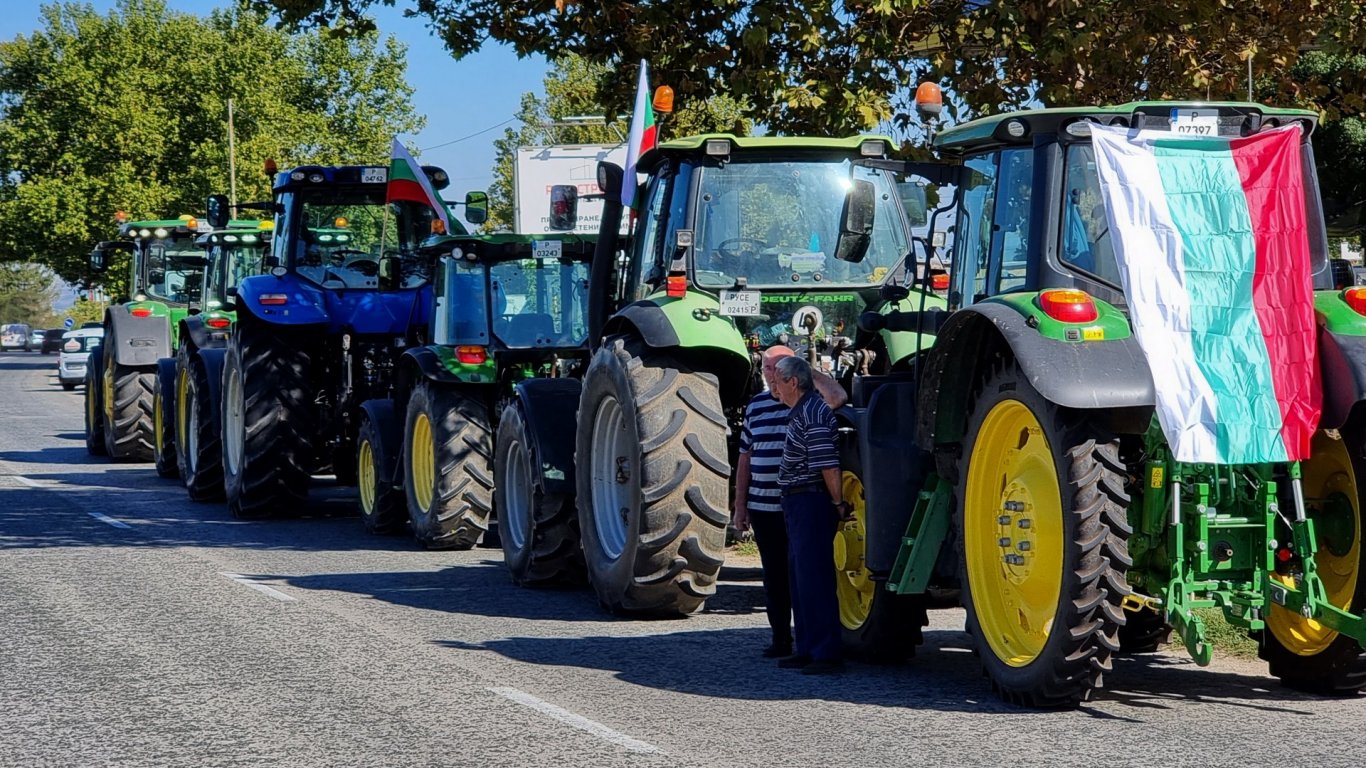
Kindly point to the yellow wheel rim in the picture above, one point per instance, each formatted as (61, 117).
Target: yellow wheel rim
(107, 391)
(158, 423)
(182, 394)
(1330, 490)
(365, 473)
(853, 583)
(424, 462)
(1013, 533)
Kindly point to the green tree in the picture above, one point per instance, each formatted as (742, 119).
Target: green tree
(128, 111)
(27, 292)
(571, 90)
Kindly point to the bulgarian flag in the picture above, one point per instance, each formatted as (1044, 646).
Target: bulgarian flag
(408, 183)
(643, 136)
(1211, 237)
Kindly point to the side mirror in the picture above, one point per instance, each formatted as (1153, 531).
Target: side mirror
(476, 207)
(610, 180)
(564, 208)
(390, 268)
(98, 262)
(437, 176)
(915, 201)
(219, 211)
(856, 222)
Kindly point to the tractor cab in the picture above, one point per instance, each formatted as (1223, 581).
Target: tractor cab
(234, 252)
(165, 265)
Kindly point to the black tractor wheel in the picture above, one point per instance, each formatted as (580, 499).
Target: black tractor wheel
(1303, 653)
(539, 530)
(1144, 631)
(163, 420)
(94, 404)
(1041, 515)
(128, 417)
(383, 507)
(447, 467)
(269, 419)
(878, 625)
(203, 448)
(653, 481)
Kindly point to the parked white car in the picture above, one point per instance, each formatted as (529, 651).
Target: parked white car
(14, 336)
(76, 346)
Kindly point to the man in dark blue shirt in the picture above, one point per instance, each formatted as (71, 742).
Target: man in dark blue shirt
(812, 498)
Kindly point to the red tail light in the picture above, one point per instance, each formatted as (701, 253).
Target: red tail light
(140, 311)
(1068, 306)
(471, 355)
(218, 322)
(939, 281)
(274, 298)
(1356, 299)
(677, 286)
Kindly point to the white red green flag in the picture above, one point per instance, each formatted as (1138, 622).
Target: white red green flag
(1211, 237)
(408, 183)
(642, 137)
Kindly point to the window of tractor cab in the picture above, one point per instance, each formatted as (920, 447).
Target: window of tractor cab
(169, 278)
(664, 213)
(231, 263)
(339, 236)
(992, 226)
(776, 223)
(540, 302)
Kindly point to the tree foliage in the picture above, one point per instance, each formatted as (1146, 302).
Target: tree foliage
(128, 111)
(26, 294)
(571, 90)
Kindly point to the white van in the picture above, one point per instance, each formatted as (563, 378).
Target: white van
(76, 346)
(15, 336)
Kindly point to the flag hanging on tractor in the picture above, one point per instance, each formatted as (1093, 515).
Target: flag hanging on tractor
(408, 183)
(642, 137)
(1211, 236)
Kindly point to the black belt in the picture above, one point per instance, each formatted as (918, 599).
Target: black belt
(792, 490)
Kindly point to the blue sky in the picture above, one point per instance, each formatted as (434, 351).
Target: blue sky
(458, 98)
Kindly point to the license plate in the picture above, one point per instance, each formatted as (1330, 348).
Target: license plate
(740, 303)
(547, 249)
(1195, 122)
(374, 175)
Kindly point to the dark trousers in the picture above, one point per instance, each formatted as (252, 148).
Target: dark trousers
(770, 533)
(811, 523)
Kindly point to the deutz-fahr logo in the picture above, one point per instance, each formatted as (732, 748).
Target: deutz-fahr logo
(807, 298)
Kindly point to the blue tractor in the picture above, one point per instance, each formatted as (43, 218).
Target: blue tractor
(343, 296)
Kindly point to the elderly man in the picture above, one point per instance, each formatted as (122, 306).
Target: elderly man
(810, 486)
(757, 502)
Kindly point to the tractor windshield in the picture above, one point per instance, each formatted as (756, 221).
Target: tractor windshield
(540, 302)
(173, 269)
(230, 264)
(339, 235)
(775, 224)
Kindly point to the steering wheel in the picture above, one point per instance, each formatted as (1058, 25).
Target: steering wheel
(726, 247)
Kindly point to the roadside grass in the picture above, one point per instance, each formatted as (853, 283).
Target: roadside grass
(1227, 639)
(745, 548)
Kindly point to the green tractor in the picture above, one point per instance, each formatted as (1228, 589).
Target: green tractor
(166, 271)
(509, 318)
(187, 428)
(741, 243)
(1023, 464)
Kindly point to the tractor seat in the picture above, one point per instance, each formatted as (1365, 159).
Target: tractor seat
(528, 330)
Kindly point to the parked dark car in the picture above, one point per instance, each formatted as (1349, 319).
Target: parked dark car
(52, 340)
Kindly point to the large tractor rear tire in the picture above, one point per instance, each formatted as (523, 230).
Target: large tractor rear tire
(1144, 631)
(447, 467)
(94, 404)
(128, 413)
(269, 421)
(203, 466)
(539, 530)
(164, 448)
(652, 482)
(878, 625)
(383, 507)
(1303, 653)
(1042, 516)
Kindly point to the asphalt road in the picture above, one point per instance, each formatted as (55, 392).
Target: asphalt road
(138, 628)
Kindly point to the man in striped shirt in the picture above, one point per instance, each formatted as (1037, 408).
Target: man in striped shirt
(812, 495)
(757, 502)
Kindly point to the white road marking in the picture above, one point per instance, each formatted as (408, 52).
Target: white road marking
(576, 721)
(262, 588)
(107, 520)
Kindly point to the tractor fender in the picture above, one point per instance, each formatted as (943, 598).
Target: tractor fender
(384, 416)
(1342, 367)
(212, 360)
(138, 341)
(304, 304)
(1109, 375)
(201, 336)
(551, 410)
(694, 328)
(430, 363)
(892, 471)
